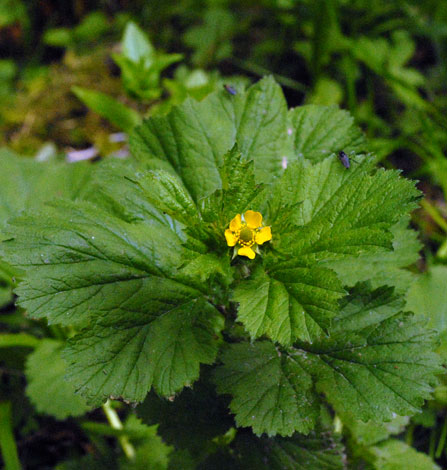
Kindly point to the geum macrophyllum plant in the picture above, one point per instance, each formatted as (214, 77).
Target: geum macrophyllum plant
(139, 267)
(247, 234)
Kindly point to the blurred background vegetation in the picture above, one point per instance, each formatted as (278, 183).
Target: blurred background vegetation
(76, 76)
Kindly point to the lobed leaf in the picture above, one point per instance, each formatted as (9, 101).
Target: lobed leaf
(374, 365)
(192, 139)
(118, 281)
(165, 353)
(272, 393)
(291, 304)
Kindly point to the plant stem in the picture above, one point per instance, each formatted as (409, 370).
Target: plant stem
(431, 450)
(409, 434)
(7, 441)
(115, 423)
(442, 439)
(434, 214)
(22, 340)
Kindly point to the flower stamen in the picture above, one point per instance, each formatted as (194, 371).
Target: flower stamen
(247, 233)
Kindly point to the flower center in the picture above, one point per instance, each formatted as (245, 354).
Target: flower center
(246, 236)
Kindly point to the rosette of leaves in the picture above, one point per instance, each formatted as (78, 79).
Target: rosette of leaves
(140, 269)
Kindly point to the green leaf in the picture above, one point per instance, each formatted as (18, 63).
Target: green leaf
(396, 455)
(113, 188)
(316, 131)
(377, 362)
(374, 368)
(110, 261)
(322, 451)
(47, 388)
(211, 40)
(205, 267)
(136, 45)
(365, 307)
(428, 297)
(383, 267)
(352, 215)
(92, 27)
(238, 192)
(26, 184)
(370, 433)
(346, 217)
(58, 37)
(164, 352)
(193, 138)
(120, 115)
(272, 393)
(141, 65)
(117, 280)
(297, 303)
(151, 451)
(166, 192)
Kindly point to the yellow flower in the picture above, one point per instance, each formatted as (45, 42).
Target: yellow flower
(247, 233)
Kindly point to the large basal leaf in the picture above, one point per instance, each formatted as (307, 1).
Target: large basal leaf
(193, 138)
(353, 217)
(114, 187)
(377, 362)
(116, 280)
(272, 393)
(386, 369)
(164, 353)
(83, 263)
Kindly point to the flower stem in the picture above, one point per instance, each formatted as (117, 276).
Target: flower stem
(115, 423)
(442, 439)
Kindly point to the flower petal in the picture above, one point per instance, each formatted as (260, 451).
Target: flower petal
(246, 251)
(253, 219)
(231, 237)
(264, 235)
(236, 223)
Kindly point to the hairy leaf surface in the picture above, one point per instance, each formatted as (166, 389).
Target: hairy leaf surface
(272, 393)
(377, 362)
(193, 138)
